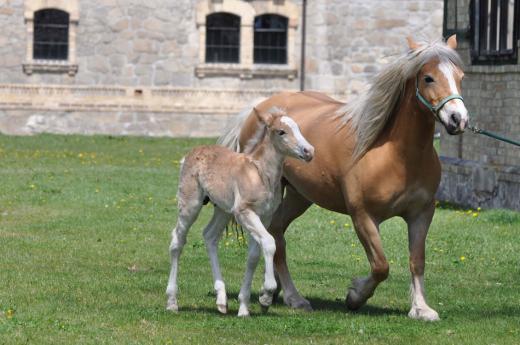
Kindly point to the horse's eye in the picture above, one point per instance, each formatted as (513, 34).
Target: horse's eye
(281, 132)
(428, 79)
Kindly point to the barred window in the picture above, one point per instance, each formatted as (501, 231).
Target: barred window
(495, 27)
(51, 35)
(222, 38)
(270, 39)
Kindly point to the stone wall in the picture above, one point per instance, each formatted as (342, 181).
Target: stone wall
(157, 43)
(349, 41)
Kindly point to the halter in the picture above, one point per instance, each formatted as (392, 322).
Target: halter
(434, 108)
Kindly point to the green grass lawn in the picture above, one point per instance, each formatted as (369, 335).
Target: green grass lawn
(84, 232)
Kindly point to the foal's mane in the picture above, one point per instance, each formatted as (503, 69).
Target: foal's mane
(369, 112)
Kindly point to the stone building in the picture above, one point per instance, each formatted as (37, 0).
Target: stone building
(183, 67)
(477, 170)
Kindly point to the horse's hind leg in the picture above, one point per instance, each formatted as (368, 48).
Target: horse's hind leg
(417, 231)
(212, 234)
(189, 198)
(293, 205)
(363, 288)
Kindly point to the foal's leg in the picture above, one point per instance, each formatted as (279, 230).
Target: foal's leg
(363, 288)
(417, 231)
(251, 222)
(190, 200)
(212, 234)
(245, 290)
(293, 205)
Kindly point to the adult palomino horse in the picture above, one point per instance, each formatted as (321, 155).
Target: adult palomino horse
(374, 160)
(246, 186)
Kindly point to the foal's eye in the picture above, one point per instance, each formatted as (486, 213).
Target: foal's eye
(428, 79)
(281, 132)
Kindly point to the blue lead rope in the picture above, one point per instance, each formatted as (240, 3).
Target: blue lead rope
(493, 135)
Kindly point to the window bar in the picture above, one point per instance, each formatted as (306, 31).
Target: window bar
(492, 48)
(504, 19)
(483, 27)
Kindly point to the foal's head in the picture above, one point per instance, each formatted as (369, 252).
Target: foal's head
(438, 84)
(285, 134)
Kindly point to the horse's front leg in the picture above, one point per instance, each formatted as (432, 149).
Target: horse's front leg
(245, 290)
(363, 288)
(417, 230)
(252, 223)
(293, 205)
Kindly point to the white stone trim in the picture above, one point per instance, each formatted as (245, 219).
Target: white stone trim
(51, 66)
(247, 11)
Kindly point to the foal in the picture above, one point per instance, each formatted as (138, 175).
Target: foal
(243, 185)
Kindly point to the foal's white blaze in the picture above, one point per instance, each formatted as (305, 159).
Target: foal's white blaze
(455, 105)
(302, 142)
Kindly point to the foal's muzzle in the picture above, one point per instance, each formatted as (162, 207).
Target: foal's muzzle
(306, 153)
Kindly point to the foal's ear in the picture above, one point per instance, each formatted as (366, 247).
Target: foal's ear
(452, 42)
(265, 117)
(412, 44)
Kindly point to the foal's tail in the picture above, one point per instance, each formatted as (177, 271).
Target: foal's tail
(231, 136)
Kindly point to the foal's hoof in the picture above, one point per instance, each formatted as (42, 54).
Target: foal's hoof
(173, 307)
(424, 314)
(354, 301)
(222, 308)
(243, 312)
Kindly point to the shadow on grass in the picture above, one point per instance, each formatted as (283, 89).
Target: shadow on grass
(338, 305)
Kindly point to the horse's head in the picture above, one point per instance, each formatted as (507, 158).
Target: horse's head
(285, 134)
(438, 88)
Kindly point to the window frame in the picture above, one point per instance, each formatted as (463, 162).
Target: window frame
(247, 11)
(40, 26)
(499, 56)
(257, 33)
(233, 48)
(54, 66)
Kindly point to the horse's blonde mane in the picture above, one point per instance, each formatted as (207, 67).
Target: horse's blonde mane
(370, 111)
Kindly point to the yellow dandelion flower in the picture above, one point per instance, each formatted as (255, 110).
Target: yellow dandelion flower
(9, 313)
(462, 258)
(80, 155)
(332, 222)
(346, 225)
(475, 214)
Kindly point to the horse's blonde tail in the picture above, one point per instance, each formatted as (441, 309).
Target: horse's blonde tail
(231, 136)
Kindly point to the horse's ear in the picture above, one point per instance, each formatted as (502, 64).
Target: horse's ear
(411, 43)
(266, 117)
(452, 42)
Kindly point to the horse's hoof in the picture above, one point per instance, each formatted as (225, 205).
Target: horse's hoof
(298, 303)
(265, 300)
(222, 308)
(354, 301)
(243, 312)
(425, 314)
(265, 309)
(172, 307)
